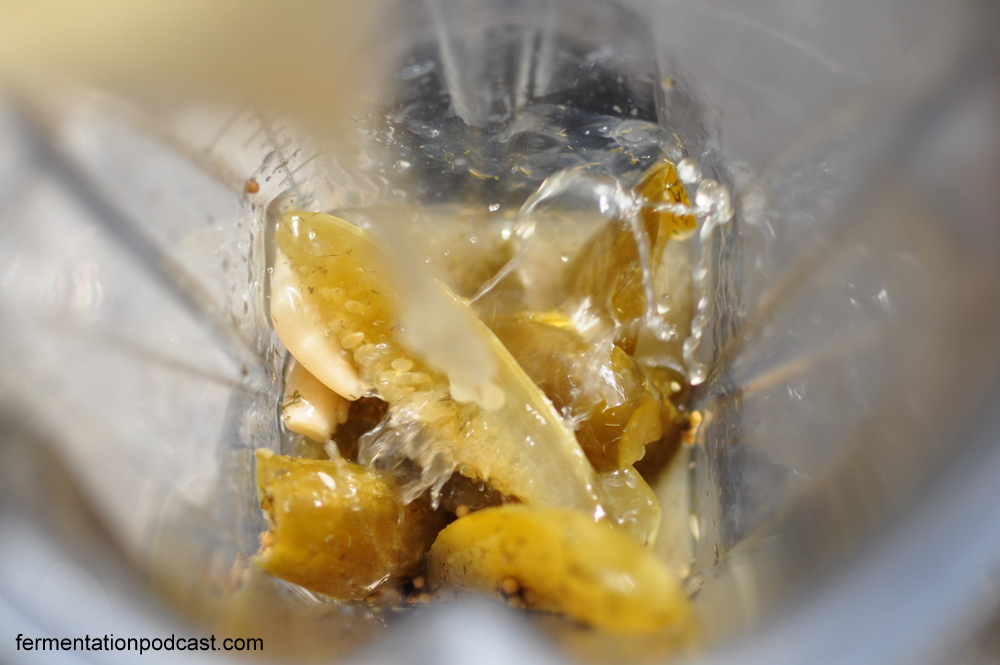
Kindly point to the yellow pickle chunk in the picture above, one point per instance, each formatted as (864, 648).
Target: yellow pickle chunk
(659, 190)
(337, 528)
(606, 278)
(598, 386)
(561, 561)
(631, 504)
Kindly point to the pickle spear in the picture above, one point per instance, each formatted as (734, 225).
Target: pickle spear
(502, 431)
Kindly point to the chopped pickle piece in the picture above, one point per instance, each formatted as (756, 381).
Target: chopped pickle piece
(301, 327)
(659, 190)
(309, 407)
(597, 386)
(606, 279)
(673, 386)
(631, 504)
(337, 528)
(559, 561)
(504, 432)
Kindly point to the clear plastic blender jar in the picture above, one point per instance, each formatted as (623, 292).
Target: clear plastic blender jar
(839, 501)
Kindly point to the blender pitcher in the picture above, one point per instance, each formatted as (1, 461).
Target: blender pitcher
(839, 501)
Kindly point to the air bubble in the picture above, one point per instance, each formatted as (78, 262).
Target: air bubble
(695, 529)
(667, 333)
(664, 303)
(688, 171)
(416, 70)
(713, 201)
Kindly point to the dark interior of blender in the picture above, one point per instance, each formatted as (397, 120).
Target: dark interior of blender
(526, 339)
